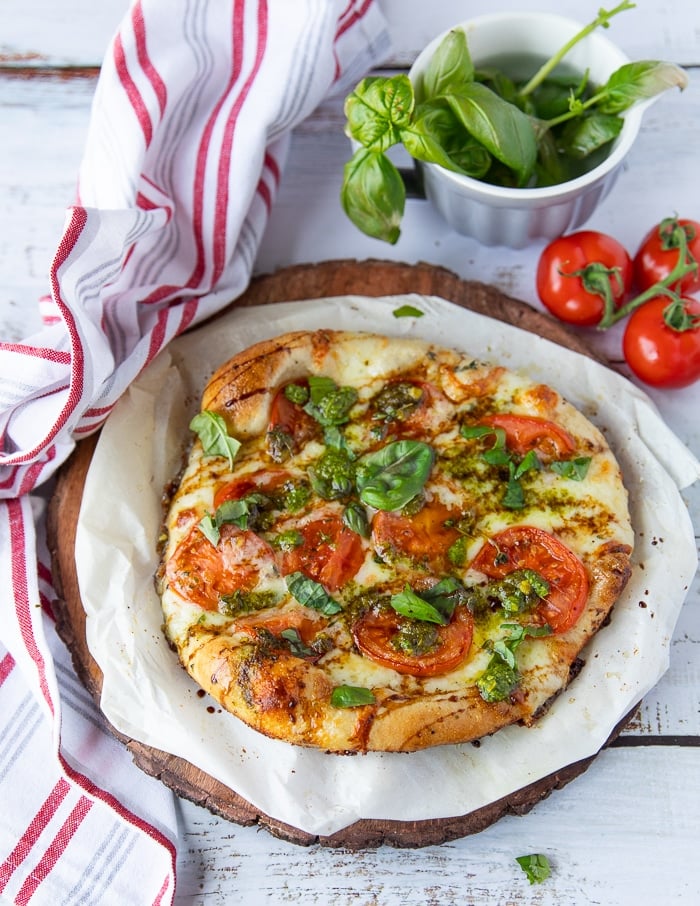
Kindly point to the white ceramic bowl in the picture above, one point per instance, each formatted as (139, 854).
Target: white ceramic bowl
(519, 217)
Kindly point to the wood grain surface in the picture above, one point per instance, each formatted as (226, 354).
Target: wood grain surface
(333, 278)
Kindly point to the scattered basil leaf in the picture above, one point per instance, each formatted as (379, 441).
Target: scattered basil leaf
(213, 434)
(574, 469)
(407, 311)
(296, 644)
(208, 527)
(355, 518)
(311, 594)
(388, 478)
(351, 696)
(536, 867)
(411, 605)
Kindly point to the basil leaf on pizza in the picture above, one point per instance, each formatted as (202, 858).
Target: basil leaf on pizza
(397, 545)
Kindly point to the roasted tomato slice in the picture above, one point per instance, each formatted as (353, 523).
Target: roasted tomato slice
(290, 427)
(527, 432)
(307, 625)
(424, 538)
(201, 572)
(330, 553)
(375, 634)
(527, 547)
(264, 481)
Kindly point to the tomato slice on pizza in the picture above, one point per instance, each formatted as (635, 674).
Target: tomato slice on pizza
(528, 547)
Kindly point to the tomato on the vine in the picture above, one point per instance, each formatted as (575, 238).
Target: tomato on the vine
(658, 254)
(659, 354)
(575, 271)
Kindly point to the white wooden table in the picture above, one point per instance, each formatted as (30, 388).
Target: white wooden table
(625, 832)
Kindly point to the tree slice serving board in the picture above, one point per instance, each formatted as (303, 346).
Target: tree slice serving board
(312, 281)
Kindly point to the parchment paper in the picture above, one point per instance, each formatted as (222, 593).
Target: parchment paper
(149, 697)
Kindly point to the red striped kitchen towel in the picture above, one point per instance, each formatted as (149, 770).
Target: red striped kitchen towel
(185, 147)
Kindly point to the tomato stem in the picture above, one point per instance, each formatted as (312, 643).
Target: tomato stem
(686, 264)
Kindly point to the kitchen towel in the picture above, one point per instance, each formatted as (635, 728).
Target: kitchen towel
(189, 128)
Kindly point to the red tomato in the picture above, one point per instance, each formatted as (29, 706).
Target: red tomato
(262, 481)
(307, 625)
(658, 255)
(565, 273)
(423, 538)
(658, 354)
(374, 631)
(525, 433)
(290, 418)
(527, 547)
(202, 573)
(330, 553)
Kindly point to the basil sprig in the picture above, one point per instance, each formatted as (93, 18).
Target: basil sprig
(391, 476)
(211, 429)
(485, 125)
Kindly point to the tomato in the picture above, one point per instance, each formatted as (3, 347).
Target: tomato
(525, 433)
(330, 553)
(263, 481)
(658, 255)
(374, 631)
(289, 422)
(563, 287)
(423, 538)
(307, 625)
(658, 354)
(201, 572)
(527, 547)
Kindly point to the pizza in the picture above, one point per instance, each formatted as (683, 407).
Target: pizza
(380, 544)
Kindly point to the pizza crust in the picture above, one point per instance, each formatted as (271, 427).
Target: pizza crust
(287, 698)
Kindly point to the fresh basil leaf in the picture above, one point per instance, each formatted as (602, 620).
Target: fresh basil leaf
(388, 478)
(373, 195)
(213, 434)
(536, 867)
(514, 497)
(422, 146)
(634, 82)
(355, 518)
(528, 463)
(584, 135)
(574, 469)
(407, 311)
(505, 652)
(296, 644)
(311, 594)
(498, 680)
(377, 109)
(471, 431)
(409, 604)
(351, 696)
(504, 130)
(208, 527)
(238, 512)
(449, 67)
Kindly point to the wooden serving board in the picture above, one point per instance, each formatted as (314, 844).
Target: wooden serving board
(333, 278)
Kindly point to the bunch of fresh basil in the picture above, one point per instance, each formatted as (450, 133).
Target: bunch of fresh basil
(486, 125)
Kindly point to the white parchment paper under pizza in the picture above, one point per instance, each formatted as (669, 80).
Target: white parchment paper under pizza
(149, 697)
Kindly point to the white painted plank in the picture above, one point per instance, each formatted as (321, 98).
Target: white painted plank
(623, 834)
(76, 32)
